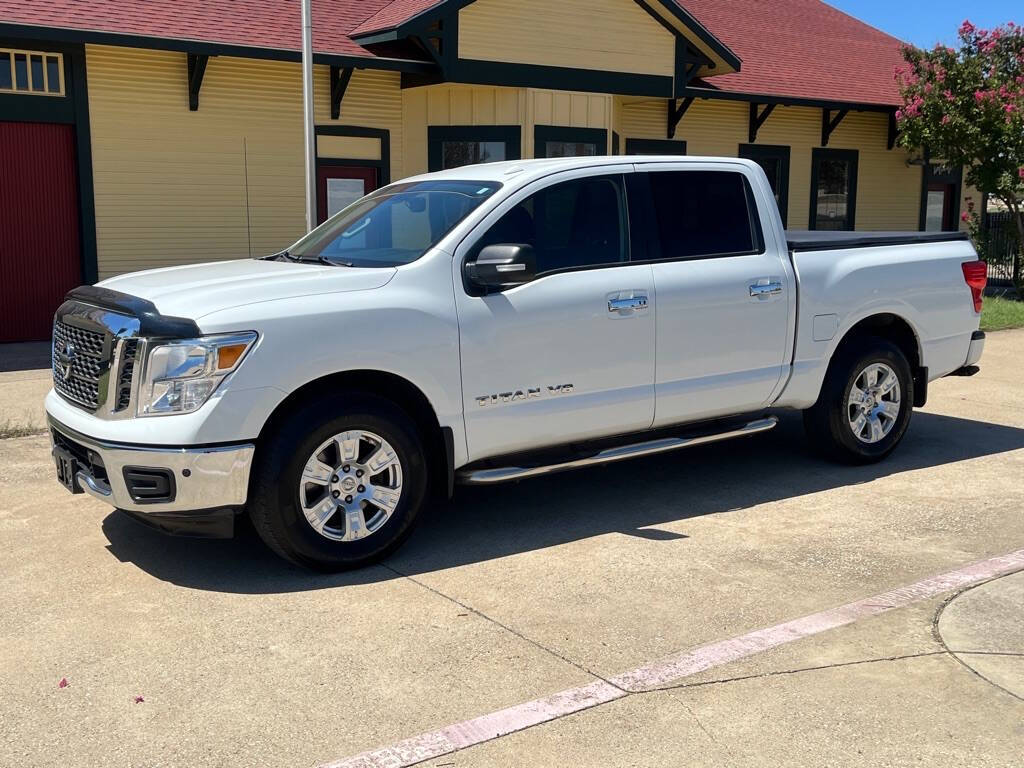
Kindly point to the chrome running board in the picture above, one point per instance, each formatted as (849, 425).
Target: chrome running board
(504, 474)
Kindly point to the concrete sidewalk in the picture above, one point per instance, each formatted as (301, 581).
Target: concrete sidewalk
(25, 378)
(984, 629)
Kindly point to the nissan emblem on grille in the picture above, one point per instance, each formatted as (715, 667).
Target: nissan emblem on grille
(66, 360)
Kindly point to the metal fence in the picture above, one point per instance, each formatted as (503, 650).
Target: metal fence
(1003, 251)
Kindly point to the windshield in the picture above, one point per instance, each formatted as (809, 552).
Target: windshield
(394, 225)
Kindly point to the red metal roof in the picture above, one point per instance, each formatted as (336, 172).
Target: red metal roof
(272, 24)
(801, 49)
(393, 14)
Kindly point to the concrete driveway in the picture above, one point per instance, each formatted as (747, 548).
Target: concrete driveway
(513, 594)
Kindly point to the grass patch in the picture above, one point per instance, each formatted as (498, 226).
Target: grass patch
(998, 314)
(9, 429)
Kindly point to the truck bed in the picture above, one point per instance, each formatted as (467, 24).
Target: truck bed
(830, 241)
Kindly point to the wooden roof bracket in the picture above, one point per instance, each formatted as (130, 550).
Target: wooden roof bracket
(340, 78)
(676, 110)
(757, 118)
(196, 71)
(894, 131)
(830, 123)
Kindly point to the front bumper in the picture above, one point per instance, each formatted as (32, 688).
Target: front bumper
(201, 480)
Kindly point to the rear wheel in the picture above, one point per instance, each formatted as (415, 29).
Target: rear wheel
(865, 403)
(339, 484)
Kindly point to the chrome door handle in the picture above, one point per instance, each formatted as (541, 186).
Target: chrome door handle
(765, 289)
(624, 305)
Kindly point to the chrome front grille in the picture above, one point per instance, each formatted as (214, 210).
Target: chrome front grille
(80, 362)
(96, 353)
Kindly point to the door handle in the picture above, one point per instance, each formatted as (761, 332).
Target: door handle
(624, 305)
(765, 289)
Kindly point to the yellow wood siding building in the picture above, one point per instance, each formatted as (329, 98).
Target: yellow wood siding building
(177, 187)
(226, 181)
(190, 148)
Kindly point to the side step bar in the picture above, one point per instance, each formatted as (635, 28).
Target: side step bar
(504, 474)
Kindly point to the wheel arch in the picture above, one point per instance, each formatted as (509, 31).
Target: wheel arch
(898, 330)
(438, 441)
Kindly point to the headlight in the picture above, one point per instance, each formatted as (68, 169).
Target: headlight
(179, 376)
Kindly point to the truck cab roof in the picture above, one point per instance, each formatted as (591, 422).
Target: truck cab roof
(523, 171)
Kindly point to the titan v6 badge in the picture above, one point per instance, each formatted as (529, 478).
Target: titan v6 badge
(524, 394)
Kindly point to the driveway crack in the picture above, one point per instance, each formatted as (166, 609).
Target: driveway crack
(535, 643)
(797, 671)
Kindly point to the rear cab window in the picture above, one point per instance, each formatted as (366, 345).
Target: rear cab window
(701, 214)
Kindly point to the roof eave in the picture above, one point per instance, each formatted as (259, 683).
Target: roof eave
(787, 101)
(208, 47)
(703, 33)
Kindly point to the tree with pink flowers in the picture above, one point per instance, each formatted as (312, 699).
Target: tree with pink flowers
(966, 107)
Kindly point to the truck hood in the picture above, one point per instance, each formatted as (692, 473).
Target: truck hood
(200, 289)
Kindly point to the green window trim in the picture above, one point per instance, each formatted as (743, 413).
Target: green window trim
(655, 147)
(849, 156)
(437, 135)
(759, 152)
(542, 134)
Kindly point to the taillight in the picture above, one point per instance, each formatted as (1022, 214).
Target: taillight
(976, 277)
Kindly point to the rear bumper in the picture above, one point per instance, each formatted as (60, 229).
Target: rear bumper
(976, 348)
(190, 490)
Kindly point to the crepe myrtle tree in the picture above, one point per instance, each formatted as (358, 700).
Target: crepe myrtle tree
(966, 106)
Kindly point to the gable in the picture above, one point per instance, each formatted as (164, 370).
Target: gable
(596, 35)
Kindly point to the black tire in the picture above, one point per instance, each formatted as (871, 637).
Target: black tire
(274, 490)
(827, 422)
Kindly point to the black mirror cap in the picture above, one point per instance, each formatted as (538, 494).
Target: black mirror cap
(503, 266)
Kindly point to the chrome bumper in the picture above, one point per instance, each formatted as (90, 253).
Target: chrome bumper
(204, 478)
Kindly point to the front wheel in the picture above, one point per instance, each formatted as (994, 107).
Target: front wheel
(865, 403)
(340, 484)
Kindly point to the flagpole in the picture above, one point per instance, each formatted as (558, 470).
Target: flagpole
(307, 113)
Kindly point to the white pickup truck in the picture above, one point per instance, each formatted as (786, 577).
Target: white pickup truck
(493, 323)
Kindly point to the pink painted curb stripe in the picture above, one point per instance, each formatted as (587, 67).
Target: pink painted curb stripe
(468, 733)
(705, 657)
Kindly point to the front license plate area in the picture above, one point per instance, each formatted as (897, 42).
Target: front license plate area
(67, 470)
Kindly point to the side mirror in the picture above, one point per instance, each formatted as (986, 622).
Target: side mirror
(503, 266)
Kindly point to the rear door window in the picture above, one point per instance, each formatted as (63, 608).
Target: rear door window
(703, 214)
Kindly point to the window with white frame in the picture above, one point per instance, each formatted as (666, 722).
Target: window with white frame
(31, 72)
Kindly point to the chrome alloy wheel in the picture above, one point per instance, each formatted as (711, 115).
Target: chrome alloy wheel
(874, 403)
(351, 486)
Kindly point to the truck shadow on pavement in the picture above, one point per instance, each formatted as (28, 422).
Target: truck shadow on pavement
(483, 523)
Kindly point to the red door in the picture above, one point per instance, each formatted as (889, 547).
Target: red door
(338, 186)
(40, 252)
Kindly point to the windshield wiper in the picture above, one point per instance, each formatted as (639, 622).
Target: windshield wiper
(287, 256)
(284, 255)
(325, 260)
